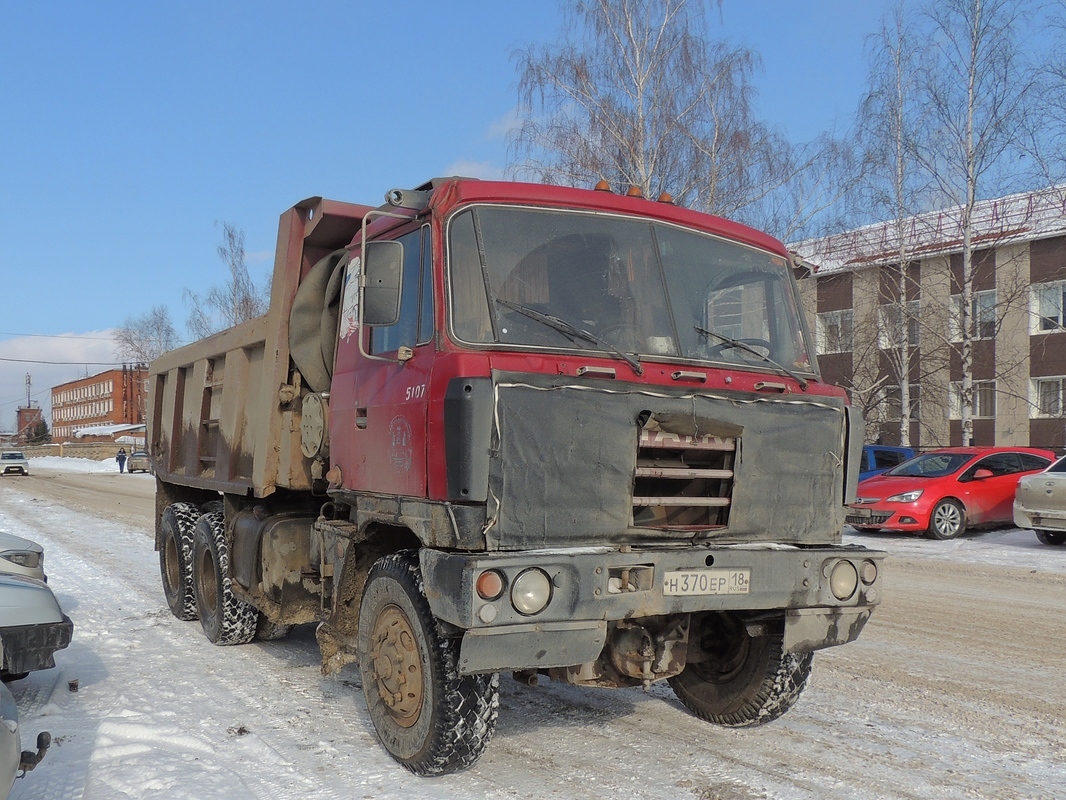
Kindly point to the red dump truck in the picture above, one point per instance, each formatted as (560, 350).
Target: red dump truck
(499, 427)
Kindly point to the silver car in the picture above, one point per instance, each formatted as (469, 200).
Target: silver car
(32, 626)
(1040, 503)
(20, 556)
(12, 462)
(12, 757)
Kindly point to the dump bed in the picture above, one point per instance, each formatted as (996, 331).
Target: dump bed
(223, 412)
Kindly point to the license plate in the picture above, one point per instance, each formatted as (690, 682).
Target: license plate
(707, 581)
(859, 512)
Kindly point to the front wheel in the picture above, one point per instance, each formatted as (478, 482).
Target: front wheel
(175, 558)
(1051, 537)
(948, 520)
(741, 681)
(429, 718)
(224, 618)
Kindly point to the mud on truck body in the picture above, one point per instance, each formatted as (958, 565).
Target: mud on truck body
(504, 427)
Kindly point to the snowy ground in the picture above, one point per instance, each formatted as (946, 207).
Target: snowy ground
(970, 707)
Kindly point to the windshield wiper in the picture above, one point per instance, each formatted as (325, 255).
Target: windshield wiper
(571, 331)
(747, 347)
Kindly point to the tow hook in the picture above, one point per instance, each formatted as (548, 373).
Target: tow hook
(28, 760)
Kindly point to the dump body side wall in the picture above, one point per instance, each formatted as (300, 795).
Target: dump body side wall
(223, 412)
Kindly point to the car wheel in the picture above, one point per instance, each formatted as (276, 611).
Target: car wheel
(429, 718)
(948, 520)
(741, 681)
(224, 618)
(175, 558)
(1053, 538)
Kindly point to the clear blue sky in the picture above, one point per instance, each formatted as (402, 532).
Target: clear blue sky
(129, 130)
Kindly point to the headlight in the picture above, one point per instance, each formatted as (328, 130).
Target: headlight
(531, 592)
(843, 579)
(24, 558)
(906, 497)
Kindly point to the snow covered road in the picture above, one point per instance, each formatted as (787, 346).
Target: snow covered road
(957, 689)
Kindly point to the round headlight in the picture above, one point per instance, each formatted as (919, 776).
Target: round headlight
(868, 572)
(531, 592)
(843, 580)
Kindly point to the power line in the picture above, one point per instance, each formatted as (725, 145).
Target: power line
(67, 363)
(60, 336)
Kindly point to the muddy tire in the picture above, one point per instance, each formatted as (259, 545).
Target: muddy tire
(948, 520)
(1054, 538)
(743, 681)
(175, 558)
(429, 718)
(224, 618)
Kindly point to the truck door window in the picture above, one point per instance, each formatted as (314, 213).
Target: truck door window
(425, 314)
(389, 338)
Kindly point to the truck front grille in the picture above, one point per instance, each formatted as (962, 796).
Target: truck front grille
(683, 482)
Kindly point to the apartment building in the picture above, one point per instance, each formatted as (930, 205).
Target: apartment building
(114, 397)
(876, 321)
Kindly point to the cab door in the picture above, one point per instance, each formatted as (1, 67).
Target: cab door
(380, 402)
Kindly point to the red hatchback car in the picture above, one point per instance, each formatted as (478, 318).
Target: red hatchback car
(943, 492)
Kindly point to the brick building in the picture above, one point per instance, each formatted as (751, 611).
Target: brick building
(27, 418)
(853, 293)
(114, 397)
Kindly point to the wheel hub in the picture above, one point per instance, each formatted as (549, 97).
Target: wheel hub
(397, 666)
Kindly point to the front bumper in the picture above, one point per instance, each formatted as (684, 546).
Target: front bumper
(32, 647)
(592, 587)
(894, 517)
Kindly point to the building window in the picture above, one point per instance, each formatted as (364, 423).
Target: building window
(982, 315)
(984, 400)
(890, 326)
(835, 331)
(1049, 306)
(1048, 396)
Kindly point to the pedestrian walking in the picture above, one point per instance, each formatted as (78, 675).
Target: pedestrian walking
(121, 459)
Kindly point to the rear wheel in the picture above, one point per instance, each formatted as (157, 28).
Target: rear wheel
(742, 680)
(224, 618)
(175, 558)
(1051, 537)
(947, 521)
(429, 718)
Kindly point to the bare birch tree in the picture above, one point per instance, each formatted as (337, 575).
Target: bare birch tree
(636, 94)
(143, 338)
(976, 88)
(889, 117)
(237, 301)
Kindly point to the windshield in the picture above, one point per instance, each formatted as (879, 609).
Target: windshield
(566, 279)
(11, 455)
(931, 465)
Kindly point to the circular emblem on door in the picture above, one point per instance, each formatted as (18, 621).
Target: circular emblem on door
(400, 443)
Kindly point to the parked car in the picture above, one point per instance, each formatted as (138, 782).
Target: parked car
(20, 556)
(139, 461)
(1040, 503)
(877, 458)
(944, 492)
(32, 626)
(12, 757)
(13, 462)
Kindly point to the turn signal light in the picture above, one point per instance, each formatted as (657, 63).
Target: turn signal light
(489, 584)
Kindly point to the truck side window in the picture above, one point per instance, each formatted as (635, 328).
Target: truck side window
(425, 317)
(389, 338)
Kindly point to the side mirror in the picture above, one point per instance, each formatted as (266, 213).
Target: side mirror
(981, 474)
(383, 269)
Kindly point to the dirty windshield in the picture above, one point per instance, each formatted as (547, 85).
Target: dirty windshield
(528, 277)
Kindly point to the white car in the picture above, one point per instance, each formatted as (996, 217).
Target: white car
(12, 757)
(32, 626)
(1040, 504)
(12, 462)
(20, 556)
